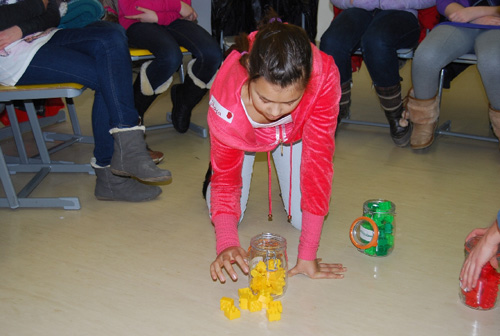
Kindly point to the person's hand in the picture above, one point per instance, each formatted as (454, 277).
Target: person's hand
(489, 20)
(484, 251)
(147, 15)
(315, 269)
(476, 233)
(464, 15)
(226, 259)
(10, 35)
(187, 12)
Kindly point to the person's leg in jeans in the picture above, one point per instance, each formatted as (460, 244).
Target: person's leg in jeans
(97, 56)
(155, 76)
(340, 40)
(441, 46)
(389, 31)
(487, 49)
(207, 57)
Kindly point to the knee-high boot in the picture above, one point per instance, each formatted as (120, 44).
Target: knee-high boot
(185, 97)
(392, 104)
(424, 114)
(144, 96)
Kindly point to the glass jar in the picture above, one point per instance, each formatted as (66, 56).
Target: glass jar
(268, 265)
(373, 233)
(484, 295)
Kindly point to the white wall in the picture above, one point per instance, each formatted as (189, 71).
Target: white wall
(325, 15)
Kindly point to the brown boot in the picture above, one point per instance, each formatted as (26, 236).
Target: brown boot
(495, 121)
(424, 114)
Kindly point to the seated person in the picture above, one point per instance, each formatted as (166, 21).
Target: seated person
(162, 27)
(470, 29)
(97, 56)
(380, 28)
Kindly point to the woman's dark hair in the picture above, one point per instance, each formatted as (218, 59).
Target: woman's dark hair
(281, 53)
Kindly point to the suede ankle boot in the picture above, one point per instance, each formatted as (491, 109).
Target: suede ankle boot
(495, 120)
(424, 114)
(392, 104)
(131, 158)
(345, 102)
(110, 187)
(185, 97)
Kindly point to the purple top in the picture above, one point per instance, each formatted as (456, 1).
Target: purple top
(442, 4)
(407, 5)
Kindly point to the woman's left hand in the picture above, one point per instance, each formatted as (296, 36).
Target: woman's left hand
(315, 269)
(10, 35)
(147, 16)
(489, 20)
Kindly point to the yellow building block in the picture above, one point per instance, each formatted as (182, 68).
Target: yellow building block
(226, 303)
(265, 298)
(244, 291)
(275, 305)
(232, 313)
(254, 305)
(245, 294)
(273, 315)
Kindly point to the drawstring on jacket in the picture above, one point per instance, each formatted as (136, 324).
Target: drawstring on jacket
(270, 215)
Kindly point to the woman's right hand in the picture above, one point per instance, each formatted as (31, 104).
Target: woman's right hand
(9, 36)
(187, 12)
(147, 16)
(226, 259)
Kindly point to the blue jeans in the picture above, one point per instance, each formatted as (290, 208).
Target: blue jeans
(164, 42)
(379, 33)
(98, 57)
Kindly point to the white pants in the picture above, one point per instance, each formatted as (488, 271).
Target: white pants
(282, 165)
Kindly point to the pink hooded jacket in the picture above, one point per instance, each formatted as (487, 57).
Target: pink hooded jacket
(314, 121)
(167, 10)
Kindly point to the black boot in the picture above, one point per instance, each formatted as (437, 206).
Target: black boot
(206, 183)
(142, 104)
(345, 102)
(391, 102)
(142, 101)
(185, 97)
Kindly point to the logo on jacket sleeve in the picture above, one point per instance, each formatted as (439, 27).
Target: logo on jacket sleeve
(220, 110)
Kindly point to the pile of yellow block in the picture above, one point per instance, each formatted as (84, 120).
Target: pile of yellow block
(265, 281)
(253, 303)
(268, 278)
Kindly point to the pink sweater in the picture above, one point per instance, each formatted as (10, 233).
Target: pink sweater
(231, 134)
(167, 10)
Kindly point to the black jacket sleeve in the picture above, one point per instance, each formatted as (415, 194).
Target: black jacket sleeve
(10, 15)
(30, 16)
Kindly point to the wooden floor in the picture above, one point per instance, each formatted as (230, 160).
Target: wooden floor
(116, 268)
